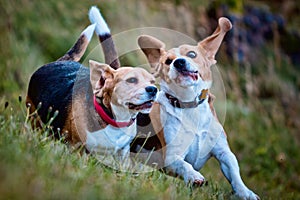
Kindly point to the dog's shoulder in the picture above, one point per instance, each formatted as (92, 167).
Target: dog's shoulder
(54, 76)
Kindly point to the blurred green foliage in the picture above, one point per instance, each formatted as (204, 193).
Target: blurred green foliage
(262, 120)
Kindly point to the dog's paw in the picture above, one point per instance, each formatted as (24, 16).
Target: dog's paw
(247, 195)
(194, 178)
(198, 183)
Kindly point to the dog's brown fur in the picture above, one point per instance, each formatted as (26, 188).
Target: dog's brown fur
(156, 54)
(69, 87)
(191, 132)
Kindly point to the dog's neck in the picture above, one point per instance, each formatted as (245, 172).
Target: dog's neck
(185, 94)
(117, 116)
(122, 114)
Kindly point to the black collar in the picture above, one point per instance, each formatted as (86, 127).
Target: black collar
(192, 104)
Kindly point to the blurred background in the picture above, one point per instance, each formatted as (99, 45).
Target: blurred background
(259, 62)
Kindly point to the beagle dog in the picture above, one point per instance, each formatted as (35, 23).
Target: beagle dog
(95, 107)
(183, 118)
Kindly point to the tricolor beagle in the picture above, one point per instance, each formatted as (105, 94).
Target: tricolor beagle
(97, 106)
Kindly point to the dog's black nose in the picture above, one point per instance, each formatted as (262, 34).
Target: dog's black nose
(151, 90)
(180, 63)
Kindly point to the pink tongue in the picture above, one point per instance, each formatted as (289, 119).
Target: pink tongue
(193, 76)
(141, 107)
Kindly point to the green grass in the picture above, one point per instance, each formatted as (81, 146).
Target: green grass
(34, 166)
(262, 127)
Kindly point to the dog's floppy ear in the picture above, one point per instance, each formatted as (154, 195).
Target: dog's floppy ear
(212, 43)
(99, 73)
(152, 48)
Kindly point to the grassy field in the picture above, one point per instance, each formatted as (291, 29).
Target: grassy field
(263, 129)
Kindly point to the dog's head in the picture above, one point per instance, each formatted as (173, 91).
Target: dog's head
(128, 87)
(186, 65)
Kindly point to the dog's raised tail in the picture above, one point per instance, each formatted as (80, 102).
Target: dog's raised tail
(105, 38)
(78, 49)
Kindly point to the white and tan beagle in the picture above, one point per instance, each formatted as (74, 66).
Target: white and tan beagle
(190, 131)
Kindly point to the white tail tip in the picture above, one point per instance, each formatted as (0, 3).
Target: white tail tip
(96, 18)
(88, 32)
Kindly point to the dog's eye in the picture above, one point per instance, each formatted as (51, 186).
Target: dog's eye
(168, 61)
(132, 80)
(191, 54)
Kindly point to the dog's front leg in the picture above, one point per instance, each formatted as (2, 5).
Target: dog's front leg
(124, 153)
(123, 158)
(186, 171)
(230, 168)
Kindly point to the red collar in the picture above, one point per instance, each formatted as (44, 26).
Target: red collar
(108, 119)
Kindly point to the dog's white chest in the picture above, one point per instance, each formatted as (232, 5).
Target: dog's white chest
(110, 139)
(189, 133)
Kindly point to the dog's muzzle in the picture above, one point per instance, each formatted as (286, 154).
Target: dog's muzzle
(181, 66)
(151, 91)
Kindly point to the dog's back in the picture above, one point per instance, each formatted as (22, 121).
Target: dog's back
(61, 85)
(51, 86)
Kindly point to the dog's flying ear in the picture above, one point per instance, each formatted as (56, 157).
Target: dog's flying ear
(152, 48)
(99, 73)
(212, 43)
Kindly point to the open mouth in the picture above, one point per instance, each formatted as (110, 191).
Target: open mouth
(143, 106)
(192, 74)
